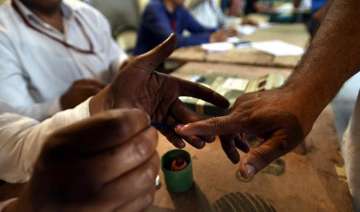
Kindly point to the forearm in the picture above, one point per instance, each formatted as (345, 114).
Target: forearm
(333, 57)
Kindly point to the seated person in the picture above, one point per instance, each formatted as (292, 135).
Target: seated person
(209, 14)
(123, 132)
(54, 55)
(163, 17)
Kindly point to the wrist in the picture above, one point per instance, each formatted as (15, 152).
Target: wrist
(305, 101)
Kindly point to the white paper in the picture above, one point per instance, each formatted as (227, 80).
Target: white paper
(246, 29)
(233, 39)
(235, 84)
(278, 48)
(217, 47)
(264, 25)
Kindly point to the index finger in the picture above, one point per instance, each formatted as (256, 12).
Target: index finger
(214, 126)
(191, 89)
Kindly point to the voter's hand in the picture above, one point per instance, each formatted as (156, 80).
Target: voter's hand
(276, 117)
(219, 36)
(80, 91)
(105, 163)
(139, 86)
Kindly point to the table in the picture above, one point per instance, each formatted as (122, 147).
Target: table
(295, 34)
(311, 182)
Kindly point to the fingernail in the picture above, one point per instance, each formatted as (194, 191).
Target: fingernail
(250, 170)
(179, 127)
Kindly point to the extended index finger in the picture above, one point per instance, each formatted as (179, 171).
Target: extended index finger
(191, 89)
(223, 125)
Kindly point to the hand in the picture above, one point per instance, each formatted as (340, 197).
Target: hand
(138, 86)
(219, 36)
(248, 21)
(105, 163)
(231, 32)
(277, 117)
(80, 91)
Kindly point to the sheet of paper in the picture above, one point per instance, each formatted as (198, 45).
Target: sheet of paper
(278, 48)
(235, 84)
(246, 29)
(233, 39)
(217, 47)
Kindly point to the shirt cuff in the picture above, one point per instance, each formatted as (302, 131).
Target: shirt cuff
(6, 203)
(80, 112)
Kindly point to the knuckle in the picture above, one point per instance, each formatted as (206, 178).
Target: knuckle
(151, 173)
(142, 150)
(145, 147)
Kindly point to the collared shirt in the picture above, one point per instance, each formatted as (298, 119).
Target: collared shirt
(36, 69)
(208, 14)
(22, 138)
(157, 24)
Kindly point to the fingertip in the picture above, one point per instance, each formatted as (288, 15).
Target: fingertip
(180, 144)
(249, 171)
(234, 157)
(200, 145)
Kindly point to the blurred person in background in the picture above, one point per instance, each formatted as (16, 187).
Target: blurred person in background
(207, 13)
(163, 17)
(54, 55)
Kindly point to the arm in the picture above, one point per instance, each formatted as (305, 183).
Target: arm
(14, 89)
(22, 138)
(283, 117)
(333, 57)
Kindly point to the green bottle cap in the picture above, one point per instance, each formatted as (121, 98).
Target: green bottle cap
(177, 168)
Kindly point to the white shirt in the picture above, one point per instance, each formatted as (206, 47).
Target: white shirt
(208, 14)
(36, 70)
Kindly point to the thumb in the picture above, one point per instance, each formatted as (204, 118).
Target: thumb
(156, 56)
(261, 156)
(213, 126)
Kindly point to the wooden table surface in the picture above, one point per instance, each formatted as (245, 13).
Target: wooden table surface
(311, 182)
(295, 34)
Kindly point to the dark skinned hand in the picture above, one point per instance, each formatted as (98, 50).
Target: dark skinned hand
(276, 117)
(139, 86)
(80, 91)
(105, 163)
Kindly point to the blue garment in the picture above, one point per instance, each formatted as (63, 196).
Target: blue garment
(157, 24)
(317, 4)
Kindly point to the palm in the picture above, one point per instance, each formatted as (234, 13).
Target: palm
(139, 86)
